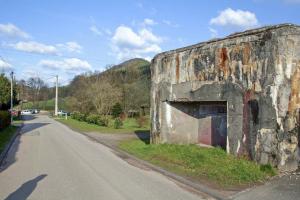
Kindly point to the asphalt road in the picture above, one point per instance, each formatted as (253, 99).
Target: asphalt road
(286, 187)
(50, 161)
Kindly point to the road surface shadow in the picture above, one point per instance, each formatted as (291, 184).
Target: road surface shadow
(23, 192)
(26, 129)
(143, 135)
(28, 117)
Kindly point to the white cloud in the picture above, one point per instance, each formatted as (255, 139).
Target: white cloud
(235, 18)
(4, 65)
(35, 47)
(28, 73)
(129, 44)
(12, 31)
(148, 58)
(100, 32)
(125, 37)
(169, 23)
(148, 36)
(149, 22)
(71, 47)
(95, 30)
(68, 64)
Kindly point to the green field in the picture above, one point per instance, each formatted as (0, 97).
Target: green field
(204, 164)
(129, 126)
(43, 105)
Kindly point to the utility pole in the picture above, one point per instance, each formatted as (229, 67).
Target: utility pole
(56, 97)
(11, 96)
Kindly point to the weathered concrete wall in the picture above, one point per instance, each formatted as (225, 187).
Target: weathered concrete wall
(256, 72)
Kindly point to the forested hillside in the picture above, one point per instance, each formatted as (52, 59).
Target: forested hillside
(127, 84)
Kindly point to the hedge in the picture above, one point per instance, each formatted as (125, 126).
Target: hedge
(91, 119)
(4, 119)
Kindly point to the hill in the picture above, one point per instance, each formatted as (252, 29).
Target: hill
(129, 82)
(135, 63)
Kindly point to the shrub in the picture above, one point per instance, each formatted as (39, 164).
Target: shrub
(74, 115)
(4, 119)
(82, 117)
(123, 116)
(118, 123)
(78, 116)
(116, 110)
(103, 121)
(92, 119)
(141, 121)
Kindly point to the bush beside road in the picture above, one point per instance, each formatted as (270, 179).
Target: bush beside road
(129, 125)
(6, 135)
(4, 119)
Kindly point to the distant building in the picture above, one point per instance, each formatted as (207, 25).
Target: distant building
(241, 93)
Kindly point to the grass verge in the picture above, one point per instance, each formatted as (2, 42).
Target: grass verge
(6, 135)
(202, 164)
(129, 126)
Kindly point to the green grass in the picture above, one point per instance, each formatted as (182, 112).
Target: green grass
(6, 135)
(129, 126)
(199, 163)
(43, 105)
(17, 122)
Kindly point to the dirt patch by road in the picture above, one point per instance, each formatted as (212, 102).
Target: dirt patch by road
(113, 140)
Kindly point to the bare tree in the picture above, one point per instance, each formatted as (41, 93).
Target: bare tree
(35, 84)
(103, 95)
(81, 101)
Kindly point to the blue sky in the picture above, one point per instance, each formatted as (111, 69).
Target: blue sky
(44, 38)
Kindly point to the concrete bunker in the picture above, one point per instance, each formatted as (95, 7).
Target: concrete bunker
(245, 88)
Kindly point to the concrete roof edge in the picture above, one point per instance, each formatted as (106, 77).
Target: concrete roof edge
(231, 36)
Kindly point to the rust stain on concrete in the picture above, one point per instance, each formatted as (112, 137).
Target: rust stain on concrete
(223, 58)
(177, 68)
(295, 90)
(246, 54)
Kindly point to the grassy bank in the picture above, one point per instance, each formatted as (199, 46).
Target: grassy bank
(6, 135)
(129, 126)
(43, 105)
(202, 164)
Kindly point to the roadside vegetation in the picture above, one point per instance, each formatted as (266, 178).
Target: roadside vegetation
(199, 163)
(95, 92)
(115, 100)
(8, 132)
(5, 136)
(6, 129)
(47, 105)
(109, 124)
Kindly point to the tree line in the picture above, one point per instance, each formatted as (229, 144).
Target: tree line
(126, 84)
